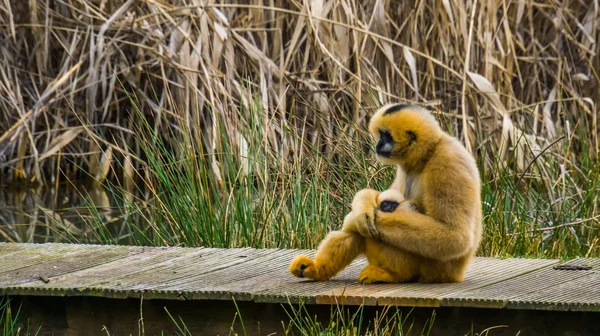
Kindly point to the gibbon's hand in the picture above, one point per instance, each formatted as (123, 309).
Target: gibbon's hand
(361, 219)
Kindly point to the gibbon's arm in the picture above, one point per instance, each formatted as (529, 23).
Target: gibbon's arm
(423, 235)
(400, 180)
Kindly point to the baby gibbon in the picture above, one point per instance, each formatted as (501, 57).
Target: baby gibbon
(392, 198)
(434, 243)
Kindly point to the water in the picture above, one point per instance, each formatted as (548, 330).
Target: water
(65, 213)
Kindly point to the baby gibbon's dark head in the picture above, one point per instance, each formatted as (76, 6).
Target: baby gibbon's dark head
(405, 134)
(391, 199)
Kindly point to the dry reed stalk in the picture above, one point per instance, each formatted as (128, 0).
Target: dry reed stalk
(492, 65)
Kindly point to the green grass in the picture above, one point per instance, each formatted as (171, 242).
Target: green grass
(391, 321)
(264, 198)
(257, 199)
(547, 211)
(11, 322)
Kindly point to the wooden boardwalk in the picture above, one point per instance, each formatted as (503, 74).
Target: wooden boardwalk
(261, 275)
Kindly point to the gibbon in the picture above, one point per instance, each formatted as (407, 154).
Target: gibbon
(429, 237)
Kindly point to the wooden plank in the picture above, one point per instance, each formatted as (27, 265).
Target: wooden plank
(582, 294)
(168, 274)
(33, 254)
(261, 275)
(106, 279)
(546, 288)
(481, 272)
(6, 248)
(174, 278)
(238, 280)
(46, 264)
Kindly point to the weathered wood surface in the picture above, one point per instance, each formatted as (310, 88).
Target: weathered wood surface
(261, 275)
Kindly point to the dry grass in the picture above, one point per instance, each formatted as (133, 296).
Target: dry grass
(509, 76)
(515, 81)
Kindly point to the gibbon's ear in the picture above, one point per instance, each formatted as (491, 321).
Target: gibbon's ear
(412, 137)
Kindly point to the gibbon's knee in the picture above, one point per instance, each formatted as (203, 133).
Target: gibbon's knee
(364, 205)
(365, 200)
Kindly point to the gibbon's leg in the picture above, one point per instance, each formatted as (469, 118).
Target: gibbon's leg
(335, 252)
(388, 264)
(433, 271)
(418, 233)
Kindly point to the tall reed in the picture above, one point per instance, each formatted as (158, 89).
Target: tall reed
(220, 109)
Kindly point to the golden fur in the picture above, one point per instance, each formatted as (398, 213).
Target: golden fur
(440, 177)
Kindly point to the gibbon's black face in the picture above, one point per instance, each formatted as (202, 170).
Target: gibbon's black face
(385, 145)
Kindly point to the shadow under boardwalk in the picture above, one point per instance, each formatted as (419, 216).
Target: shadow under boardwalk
(260, 277)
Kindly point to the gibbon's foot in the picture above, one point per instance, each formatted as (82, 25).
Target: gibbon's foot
(303, 267)
(374, 274)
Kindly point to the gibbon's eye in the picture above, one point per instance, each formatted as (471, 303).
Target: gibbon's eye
(412, 137)
(385, 144)
(388, 206)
